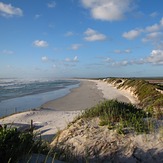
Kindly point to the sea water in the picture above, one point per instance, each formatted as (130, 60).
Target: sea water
(20, 95)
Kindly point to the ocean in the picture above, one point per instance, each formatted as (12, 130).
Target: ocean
(17, 95)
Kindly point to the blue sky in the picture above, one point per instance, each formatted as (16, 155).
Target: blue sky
(81, 38)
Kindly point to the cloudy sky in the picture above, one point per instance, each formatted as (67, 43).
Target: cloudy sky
(81, 38)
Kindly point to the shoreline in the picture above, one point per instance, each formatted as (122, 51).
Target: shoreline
(55, 115)
(85, 96)
(33, 101)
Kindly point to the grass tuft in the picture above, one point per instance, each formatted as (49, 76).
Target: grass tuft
(118, 115)
(15, 144)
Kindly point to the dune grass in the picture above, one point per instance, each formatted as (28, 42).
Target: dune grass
(119, 115)
(149, 98)
(15, 144)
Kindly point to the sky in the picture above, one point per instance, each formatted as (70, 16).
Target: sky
(81, 38)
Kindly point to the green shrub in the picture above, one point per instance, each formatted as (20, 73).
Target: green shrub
(15, 144)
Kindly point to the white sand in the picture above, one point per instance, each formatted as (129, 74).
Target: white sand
(46, 122)
(110, 92)
(49, 121)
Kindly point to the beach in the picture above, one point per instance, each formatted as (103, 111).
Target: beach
(85, 96)
(55, 115)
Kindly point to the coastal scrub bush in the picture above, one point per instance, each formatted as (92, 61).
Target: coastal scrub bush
(118, 114)
(16, 144)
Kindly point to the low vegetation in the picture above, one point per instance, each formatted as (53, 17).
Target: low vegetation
(15, 144)
(119, 115)
(150, 99)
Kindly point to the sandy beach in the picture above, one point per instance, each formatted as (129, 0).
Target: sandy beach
(55, 115)
(110, 92)
(85, 96)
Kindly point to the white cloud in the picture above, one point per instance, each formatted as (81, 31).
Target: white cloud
(161, 22)
(40, 43)
(156, 57)
(7, 10)
(92, 35)
(138, 62)
(122, 51)
(108, 10)
(68, 60)
(51, 4)
(9, 66)
(160, 45)
(5, 51)
(75, 46)
(114, 63)
(132, 34)
(152, 31)
(75, 59)
(37, 16)
(54, 66)
(118, 51)
(108, 60)
(44, 58)
(51, 25)
(153, 14)
(122, 63)
(153, 37)
(127, 51)
(90, 31)
(153, 28)
(69, 33)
